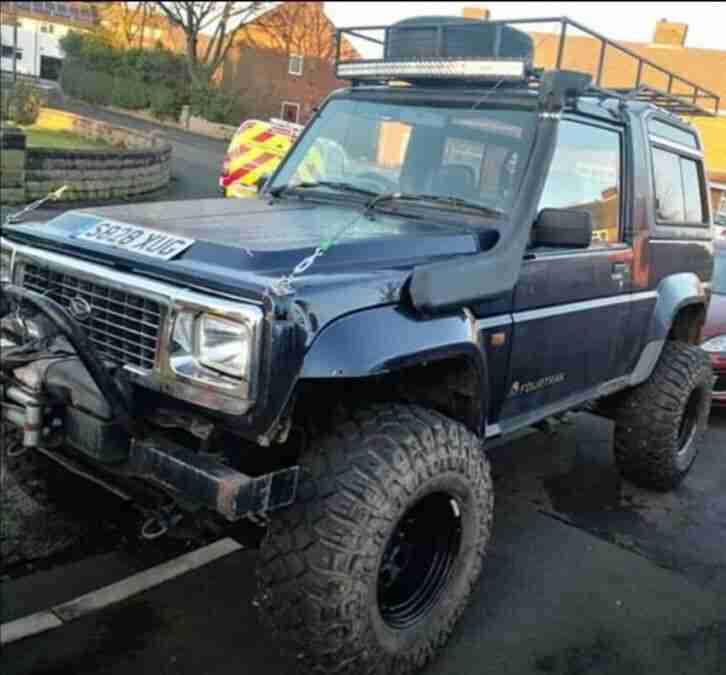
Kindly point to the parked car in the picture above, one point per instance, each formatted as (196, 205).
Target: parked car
(714, 332)
(491, 245)
(253, 154)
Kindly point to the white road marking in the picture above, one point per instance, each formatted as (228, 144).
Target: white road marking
(28, 625)
(109, 595)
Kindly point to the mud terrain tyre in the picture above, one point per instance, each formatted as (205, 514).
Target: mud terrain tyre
(660, 424)
(369, 571)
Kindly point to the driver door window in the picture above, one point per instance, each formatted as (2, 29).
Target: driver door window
(585, 175)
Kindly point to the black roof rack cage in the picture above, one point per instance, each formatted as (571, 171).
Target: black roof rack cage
(673, 93)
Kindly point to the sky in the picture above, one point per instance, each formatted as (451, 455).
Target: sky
(631, 21)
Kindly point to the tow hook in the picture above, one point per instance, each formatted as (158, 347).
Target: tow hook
(13, 445)
(160, 523)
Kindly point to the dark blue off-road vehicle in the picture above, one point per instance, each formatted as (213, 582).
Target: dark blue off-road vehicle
(490, 245)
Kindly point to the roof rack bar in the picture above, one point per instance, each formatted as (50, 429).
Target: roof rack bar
(601, 63)
(354, 33)
(561, 46)
(692, 98)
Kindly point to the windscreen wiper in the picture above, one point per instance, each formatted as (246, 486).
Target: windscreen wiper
(333, 185)
(435, 199)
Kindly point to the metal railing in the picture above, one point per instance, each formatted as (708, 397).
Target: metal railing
(680, 95)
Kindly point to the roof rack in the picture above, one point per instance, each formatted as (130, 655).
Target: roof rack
(675, 93)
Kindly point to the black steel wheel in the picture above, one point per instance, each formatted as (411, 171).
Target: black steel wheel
(418, 560)
(375, 563)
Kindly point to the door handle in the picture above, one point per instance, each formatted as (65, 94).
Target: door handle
(620, 271)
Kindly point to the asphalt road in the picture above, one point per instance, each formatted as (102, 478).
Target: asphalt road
(586, 575)
(196, 160)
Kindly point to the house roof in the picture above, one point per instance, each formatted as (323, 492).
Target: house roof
(705, 67)
(79, 14)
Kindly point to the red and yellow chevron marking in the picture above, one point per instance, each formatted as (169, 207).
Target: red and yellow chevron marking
(255, 150)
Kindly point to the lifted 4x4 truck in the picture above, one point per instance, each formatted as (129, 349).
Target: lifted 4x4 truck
(498, 245)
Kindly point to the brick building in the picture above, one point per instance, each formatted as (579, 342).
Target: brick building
(282, 63)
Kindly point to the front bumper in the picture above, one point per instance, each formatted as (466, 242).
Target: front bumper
(719, 368)
(87, 415)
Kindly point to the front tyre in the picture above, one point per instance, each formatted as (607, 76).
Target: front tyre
(370, 569)
(660, 424)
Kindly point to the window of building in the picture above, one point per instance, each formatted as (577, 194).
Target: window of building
(677, 188)
(585, 175)
(722, 207)
(290, 112)
(295, 65)
(47, 28)
(7, 53)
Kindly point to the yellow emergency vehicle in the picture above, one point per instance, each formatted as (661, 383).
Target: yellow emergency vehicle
(254, 151)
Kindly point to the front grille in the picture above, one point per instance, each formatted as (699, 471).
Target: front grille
(720, 385)
(124, 327)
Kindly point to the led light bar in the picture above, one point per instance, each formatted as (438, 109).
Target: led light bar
(438, 68)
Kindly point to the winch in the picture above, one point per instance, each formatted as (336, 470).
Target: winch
(57, 391)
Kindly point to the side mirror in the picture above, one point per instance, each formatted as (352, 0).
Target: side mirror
(570, 228)
(261, 182)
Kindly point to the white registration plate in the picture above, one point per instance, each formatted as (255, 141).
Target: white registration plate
(136, 239)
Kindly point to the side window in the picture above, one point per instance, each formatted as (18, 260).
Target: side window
(585, 174)
(677, 188)
(691, 191)
(668, 186)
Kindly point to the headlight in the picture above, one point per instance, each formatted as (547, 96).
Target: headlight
(6, 263)
(216, 346)
(223, 345)
(715, 344)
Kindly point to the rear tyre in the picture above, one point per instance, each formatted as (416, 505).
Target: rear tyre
(370, 569)
(660, 424)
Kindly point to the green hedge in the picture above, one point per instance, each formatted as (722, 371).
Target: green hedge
(136, 79)
(154, 79)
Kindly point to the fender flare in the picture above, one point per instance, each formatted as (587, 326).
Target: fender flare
(386, 339)
(674, 293)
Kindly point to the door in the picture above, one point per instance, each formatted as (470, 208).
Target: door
(571, 305)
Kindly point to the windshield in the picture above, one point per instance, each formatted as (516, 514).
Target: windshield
(718, 283)
(472, 154)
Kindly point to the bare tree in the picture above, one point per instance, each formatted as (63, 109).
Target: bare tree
(124, 23)
(210, 29)
(296, 28)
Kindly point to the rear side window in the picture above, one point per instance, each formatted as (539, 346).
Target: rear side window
(585, 174)
(671, 133)
(677, 188)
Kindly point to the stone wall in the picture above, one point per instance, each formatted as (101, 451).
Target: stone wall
(138, 163)
(12, 165)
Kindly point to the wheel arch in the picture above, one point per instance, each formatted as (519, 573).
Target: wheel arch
(388, 351)
(679, 314)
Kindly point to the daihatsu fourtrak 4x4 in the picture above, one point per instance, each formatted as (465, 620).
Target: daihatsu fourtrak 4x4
(497, 245)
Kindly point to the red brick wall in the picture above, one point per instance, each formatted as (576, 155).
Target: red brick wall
(260, 80)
